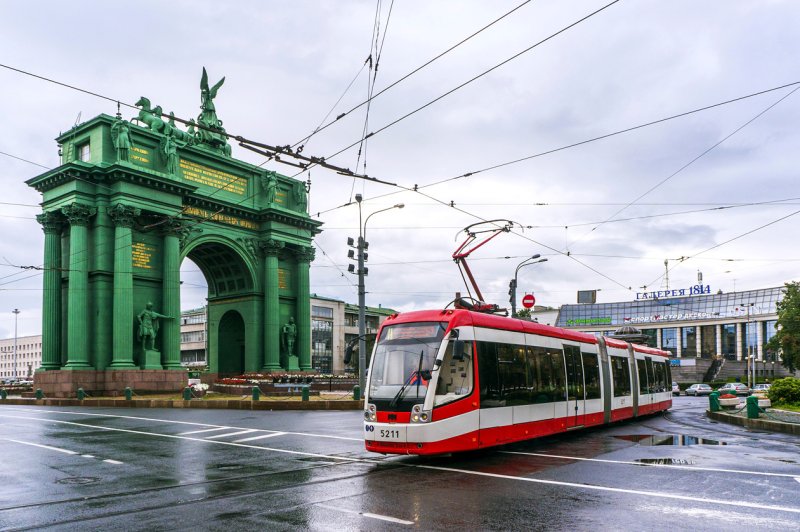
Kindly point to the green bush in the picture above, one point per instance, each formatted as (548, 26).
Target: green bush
(785, 391)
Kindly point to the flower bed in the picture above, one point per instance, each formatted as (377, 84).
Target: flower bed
(728, 401)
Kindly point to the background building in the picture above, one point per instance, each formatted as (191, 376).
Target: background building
(695, 329)
(29, 356)
(334, 323)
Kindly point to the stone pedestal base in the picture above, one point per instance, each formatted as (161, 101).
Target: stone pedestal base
(292, 363)
(151, 359)
(65, 383)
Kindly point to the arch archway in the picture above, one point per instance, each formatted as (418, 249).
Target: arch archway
(233, 345)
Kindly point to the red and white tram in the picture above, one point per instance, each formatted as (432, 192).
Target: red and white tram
(455, 380)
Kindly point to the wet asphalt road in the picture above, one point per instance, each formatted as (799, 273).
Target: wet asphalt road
(151, 469)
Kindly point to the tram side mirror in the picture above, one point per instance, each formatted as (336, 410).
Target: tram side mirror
(437, 363)
(425, 374)
(458, 350)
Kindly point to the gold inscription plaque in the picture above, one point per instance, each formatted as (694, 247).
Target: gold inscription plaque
(283, 279)
(219, 217)
(142, 255)
(213, 178)
(140, 155)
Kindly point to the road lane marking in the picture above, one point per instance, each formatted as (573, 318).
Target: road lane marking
(87, 455)
(204, 430)
(670, 466)
(110, 461)
(203, 440)
(367, 514)
(366, 461)
(227, 434)
(65, 451)
(656, 494)
(797, 479)
(260, 437)
(196, 424)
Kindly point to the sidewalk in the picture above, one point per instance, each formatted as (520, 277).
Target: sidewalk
(266, 403)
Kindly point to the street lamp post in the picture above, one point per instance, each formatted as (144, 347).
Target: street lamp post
(16, 316)
(361, 247)
(512, 286)
(751, 353)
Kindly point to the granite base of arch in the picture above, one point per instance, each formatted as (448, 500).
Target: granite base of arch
(65, 383)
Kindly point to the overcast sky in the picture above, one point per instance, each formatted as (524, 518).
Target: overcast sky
(287, 63)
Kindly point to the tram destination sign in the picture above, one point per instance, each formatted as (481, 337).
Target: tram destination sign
(696, 290)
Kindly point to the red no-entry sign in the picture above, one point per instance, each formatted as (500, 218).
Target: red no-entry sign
(528, 301)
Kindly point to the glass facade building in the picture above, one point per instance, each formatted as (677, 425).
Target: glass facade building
(732, 325)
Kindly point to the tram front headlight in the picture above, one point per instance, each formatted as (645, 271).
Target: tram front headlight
(370, 413)
(418, 415)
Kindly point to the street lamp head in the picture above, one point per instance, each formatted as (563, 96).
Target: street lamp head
(536, 257)
(400, 205)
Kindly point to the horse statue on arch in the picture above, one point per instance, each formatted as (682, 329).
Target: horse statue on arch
(152, 116)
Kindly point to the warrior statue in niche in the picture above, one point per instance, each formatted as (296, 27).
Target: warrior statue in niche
(148, 326)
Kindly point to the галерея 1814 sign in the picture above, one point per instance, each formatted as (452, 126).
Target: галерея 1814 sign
(695, 290)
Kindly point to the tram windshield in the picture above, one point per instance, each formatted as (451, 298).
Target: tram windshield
(403, 361)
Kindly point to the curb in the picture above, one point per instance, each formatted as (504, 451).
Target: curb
(760, 423)
(231, 404)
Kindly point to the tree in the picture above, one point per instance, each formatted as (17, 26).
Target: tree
(787, 337)
(523, 313)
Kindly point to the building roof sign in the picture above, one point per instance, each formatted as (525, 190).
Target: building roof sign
(675, 309)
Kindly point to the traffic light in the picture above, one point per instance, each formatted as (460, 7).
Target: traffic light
(351, 268)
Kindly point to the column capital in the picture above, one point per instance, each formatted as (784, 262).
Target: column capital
(78, 213)
(271, 247)
(179, 227)
(52, 222)
(304, 254)
(123, 215)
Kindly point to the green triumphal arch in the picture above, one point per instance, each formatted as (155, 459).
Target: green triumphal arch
(130, 201)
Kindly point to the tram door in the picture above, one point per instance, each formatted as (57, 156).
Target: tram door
(576, 391)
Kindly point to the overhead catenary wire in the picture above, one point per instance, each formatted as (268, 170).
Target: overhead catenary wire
(403, 78)
(691, 162)
(569, 146)
(464, 84)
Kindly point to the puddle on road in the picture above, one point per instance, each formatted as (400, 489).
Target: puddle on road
(77, 480)
(664, 461)
(678, 440)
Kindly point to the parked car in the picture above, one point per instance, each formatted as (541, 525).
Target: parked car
(734, 388)
(699, 389)
(676, 390)
(761, 389)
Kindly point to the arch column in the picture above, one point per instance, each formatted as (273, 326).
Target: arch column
(122, 342)
(304, 258)
(78, 216)
(171, 331)
(52, 224)
(272, 343)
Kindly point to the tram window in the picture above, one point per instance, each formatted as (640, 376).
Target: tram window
(591, 375)
(552, 382)
(660, 371)
(620, 371)
(455, 376)
(512, 373)
(651, 376)
(572, 355)
(488, 377)
(643, 387)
